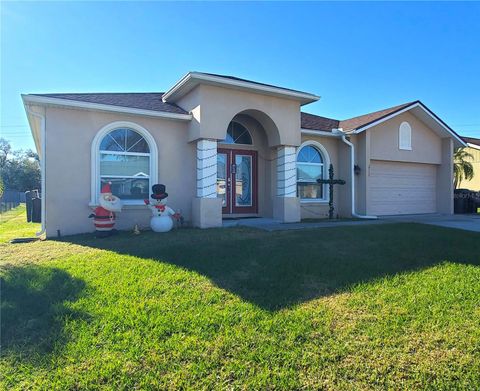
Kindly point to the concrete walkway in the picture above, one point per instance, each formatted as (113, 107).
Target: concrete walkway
(470, 222)
(465, 222)
(267, 224)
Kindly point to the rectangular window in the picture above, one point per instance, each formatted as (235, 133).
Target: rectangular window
(128, 188)
(307, 186)
(128, 173)
(309, 190)
(124, 165)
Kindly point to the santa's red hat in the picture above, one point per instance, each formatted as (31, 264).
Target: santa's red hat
(106, 189)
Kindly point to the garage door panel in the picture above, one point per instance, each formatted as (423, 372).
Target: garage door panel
(406, 182)
(402, 195)
(401, 188)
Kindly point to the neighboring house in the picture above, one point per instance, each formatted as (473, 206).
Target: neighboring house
(473, 147)
(228, 147)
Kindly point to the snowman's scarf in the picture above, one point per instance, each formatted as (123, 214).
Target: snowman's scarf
(160, 207)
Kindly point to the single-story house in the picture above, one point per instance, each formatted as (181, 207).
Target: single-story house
(473, 147)
(228, 147)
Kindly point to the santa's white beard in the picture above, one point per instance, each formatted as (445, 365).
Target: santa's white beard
(112, 206)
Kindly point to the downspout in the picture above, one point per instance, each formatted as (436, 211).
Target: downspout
(42, 166)
(352, 164)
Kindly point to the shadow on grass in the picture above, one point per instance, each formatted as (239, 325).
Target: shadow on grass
(275, 270)
(34, 308)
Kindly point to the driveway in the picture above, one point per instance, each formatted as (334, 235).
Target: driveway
(469, 222)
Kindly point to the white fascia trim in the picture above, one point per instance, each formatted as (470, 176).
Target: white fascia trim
(322, 133)
(418, 104)
(42, 154)
(308, 98)
(470, 145)
(41, 100)
(36, 133)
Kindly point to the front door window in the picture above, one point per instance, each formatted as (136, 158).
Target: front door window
(236, 180)
(243, 180)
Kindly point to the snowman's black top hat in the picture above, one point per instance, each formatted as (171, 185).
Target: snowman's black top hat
(159, 192)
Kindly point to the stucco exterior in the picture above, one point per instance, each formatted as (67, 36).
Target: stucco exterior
(381, 143)
(273, 120)
(69, 135)
(474, 183)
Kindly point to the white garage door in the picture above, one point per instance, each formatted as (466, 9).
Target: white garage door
(402, 188)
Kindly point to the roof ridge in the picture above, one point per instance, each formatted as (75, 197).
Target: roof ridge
(365, 119)
(382, 110)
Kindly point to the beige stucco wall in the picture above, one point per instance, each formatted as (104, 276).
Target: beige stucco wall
(69, 135)
(381, 142)
(362, 160)
(319, 209)
(426, 145)
(445, 178)
(214, 107)
(272, 122)
(474, 183)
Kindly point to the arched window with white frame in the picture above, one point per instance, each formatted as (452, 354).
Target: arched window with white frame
(312, 164)
(125, 155)
(405, 136)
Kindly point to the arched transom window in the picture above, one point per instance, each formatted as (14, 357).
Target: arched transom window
(310, 167)
(126, 157)
(237, 134)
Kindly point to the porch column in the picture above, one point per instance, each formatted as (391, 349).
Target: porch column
(286, 204)
(206, 206)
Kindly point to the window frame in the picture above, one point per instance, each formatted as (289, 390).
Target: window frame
(326, 164)
(95, 159)
(405, 127)
(223, 142)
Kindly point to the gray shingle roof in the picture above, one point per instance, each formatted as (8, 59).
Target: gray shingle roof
(472, 140)
(316, 122)
(362, 120)
(138, 100)
(153, 101)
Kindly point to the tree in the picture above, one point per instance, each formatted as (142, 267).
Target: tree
(19, 170)
(5, 149)
(462, 168)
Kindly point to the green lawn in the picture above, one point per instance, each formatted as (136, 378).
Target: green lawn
(392, 306)
(13, 224)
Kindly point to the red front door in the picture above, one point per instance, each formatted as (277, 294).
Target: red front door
(237, 180)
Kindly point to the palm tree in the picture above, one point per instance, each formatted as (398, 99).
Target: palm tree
(462, 168)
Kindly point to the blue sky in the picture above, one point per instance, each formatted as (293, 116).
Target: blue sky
(358, 57)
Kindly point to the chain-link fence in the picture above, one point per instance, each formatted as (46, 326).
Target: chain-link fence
(11, 199)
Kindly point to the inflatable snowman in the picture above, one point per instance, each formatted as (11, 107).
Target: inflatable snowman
(161, 220)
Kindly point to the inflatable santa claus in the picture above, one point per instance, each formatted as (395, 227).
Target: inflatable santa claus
(104, 215)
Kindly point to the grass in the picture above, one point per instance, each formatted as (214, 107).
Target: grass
(346, 308)
(13, 224)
